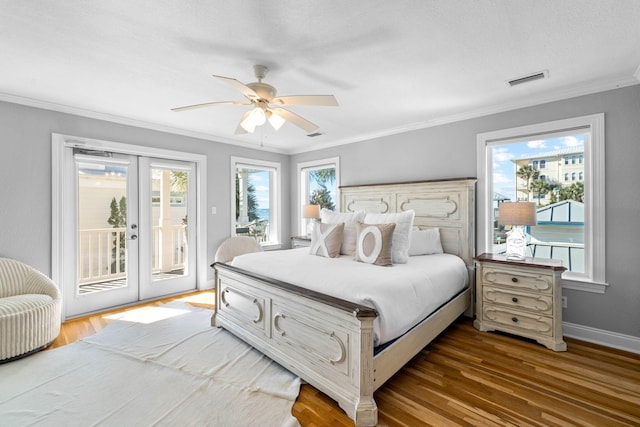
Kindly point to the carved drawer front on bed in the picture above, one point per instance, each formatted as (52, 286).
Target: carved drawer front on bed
(245, 306)
(325, 345)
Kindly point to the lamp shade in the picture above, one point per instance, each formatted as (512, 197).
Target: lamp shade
(517, 213)
(311, 211)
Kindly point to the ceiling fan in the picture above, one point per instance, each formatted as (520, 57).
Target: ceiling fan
(266, 105)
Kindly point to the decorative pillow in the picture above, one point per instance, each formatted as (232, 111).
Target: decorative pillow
(425, 242)
(374, 243)
(349, 219)
(401, 235)
(326, 239)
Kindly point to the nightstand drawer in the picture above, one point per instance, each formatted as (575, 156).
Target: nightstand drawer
(523, 323)
(542, 304)
(537, 282)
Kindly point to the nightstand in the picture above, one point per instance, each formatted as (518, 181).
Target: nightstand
(300, 242)
(520, 297)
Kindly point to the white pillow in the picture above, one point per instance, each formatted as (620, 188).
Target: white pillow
(401, 234)
(425, 242)
(349, 234)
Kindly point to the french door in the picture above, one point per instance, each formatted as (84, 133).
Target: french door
(133, 220)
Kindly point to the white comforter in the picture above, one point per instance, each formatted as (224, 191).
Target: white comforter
(402, 294)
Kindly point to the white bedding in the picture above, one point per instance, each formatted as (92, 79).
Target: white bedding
(402, 294)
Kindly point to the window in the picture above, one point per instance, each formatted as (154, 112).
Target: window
(535, 164)
(543, 164)
(581, 159)
(581, 176)
(573, 176)
(571, 223)
(318, 183)
(543, 177)
(256, 200)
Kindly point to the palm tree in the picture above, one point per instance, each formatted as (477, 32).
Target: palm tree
(540, 188)
(527, 173)
(573, 192)
(322, 196)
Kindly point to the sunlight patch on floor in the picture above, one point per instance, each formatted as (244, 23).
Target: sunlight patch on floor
(200, 298)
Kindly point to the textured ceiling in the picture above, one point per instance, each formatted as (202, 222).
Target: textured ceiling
(392, 65)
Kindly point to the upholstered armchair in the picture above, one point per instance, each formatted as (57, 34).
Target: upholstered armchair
(30, 310)
(235, 246)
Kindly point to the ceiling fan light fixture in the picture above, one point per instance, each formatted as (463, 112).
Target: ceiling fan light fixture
(275, 120)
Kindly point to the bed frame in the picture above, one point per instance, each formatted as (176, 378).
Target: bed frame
(327, 341)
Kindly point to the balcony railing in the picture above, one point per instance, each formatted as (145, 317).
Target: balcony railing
(102, 254)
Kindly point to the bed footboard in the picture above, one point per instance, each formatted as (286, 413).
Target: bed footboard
(328, 342)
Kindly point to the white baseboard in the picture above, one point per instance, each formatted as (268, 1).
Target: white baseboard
(602, 337)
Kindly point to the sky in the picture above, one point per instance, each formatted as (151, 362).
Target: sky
(504, 169)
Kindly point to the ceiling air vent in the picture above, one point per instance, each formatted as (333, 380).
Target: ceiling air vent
(530, 78)
(313, 135)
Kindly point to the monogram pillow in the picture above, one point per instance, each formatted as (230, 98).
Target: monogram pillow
(326, 239)
(349, 219)
(373, 244)
(401, 235)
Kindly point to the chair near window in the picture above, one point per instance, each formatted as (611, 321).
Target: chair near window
(30, 310)
(234, 246)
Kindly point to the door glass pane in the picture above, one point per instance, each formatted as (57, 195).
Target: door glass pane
(102, 225)
(169, 219)
(543, 171)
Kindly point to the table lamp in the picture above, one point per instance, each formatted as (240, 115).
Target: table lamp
(517, 215)
(311, 213)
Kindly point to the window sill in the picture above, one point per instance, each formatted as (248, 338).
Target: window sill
(271, 246)
(584, 285)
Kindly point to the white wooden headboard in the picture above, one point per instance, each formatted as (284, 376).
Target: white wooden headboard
(446, 204)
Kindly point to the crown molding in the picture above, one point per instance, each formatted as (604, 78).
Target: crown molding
(67, 109)
(486, 111)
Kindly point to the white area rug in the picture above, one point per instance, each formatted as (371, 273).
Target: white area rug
(153, 366)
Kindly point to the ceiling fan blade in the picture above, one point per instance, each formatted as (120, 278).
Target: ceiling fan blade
(207, 104)
(246, 90)
(321, 100)
(301, 122)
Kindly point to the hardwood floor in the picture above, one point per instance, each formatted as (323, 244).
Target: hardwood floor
(471, 378)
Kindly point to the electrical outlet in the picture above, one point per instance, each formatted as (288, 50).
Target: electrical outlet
(564, 302)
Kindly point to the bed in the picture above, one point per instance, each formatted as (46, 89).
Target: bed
(330, 341)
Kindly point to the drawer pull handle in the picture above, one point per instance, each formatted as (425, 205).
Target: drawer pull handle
(514, 299)
(514, 279)
(514, 319)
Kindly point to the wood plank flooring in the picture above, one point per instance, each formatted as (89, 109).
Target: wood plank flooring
(471, 378)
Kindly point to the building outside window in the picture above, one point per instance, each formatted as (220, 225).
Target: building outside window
(570, 213)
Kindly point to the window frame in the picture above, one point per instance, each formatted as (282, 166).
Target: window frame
(303, 185)
(275, 191)
(593, 280)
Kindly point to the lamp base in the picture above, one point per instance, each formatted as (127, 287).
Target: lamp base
(516, 244)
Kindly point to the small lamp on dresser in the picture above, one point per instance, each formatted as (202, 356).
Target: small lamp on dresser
(517, 215)
(311, 213)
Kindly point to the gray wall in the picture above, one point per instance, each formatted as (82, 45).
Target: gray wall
(449, 151)
(25, 175)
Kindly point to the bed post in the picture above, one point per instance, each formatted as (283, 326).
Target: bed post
(363, 410)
